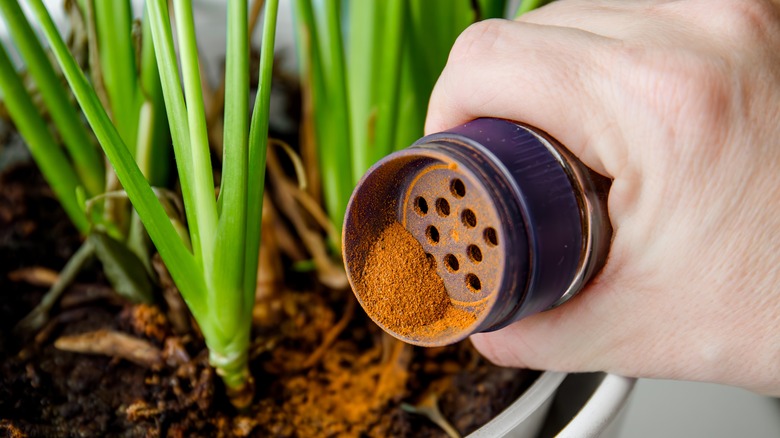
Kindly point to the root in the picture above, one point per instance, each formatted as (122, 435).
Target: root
(241, 398)
(332, 335)
(38, 317)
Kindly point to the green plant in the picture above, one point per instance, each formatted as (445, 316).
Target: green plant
(366, 97)
(86, 169)
(129, 87)
(217, 275)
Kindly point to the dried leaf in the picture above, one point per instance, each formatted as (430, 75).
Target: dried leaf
(174, 352)
(309, 141)
(317, 213)
(295, 159)
(288, 244)
(142, 410)
(269, 264)
(36, 276)
(329, 273)
(177, 311)
(113, 344)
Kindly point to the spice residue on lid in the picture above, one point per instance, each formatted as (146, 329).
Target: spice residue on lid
(400, 289)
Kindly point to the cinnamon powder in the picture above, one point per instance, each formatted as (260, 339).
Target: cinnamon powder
(401, 290)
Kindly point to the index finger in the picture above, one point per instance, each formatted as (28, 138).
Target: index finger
(550, 77)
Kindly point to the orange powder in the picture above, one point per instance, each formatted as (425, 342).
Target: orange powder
(401, 290)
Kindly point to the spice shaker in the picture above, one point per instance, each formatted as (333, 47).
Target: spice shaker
(512, 221)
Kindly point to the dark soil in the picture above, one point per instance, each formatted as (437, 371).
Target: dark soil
(356, 388)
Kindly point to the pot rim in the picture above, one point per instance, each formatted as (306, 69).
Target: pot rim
(542, 390)
(602, 407)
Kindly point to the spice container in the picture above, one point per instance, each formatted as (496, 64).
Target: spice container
(471, 229)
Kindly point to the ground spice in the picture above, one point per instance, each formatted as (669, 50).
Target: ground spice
(400, 289)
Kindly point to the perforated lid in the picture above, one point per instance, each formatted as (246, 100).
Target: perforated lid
(527, 170)
(491, 205)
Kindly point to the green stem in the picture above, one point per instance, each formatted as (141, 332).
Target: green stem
(414, 90)
(238, 282)
(338, 140)
(153, 139)
(86, 159)
(47, 153)
(491, 8)
(159, 145)
(231, 361)
(136, 235)
(144, 155)
(258, 144)
(40, 314)
(177, 115)
(203, 183)
(228, 270)
(388, 81)
(114, 22)
(180, 262)
(365, 24)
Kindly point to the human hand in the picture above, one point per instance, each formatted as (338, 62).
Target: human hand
(679, 103)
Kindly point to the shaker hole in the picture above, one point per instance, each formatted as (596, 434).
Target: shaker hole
(433, 234)
(491, 236)
(474, 253)
(457, 188)
(443, 207)
(451, 262)
(473, 283)
(469, 218)
(421, 206)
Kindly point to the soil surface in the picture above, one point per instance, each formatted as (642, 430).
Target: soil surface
(363, 384)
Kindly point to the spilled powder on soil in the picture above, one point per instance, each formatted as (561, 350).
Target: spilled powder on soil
(401, 289)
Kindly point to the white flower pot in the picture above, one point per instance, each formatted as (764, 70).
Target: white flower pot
(574, 405)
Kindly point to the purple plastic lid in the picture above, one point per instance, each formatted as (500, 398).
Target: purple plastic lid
(547, 221)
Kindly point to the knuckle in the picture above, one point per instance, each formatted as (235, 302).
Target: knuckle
(749, 13)
(478, 39)
(681, 85)
(746, 20)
